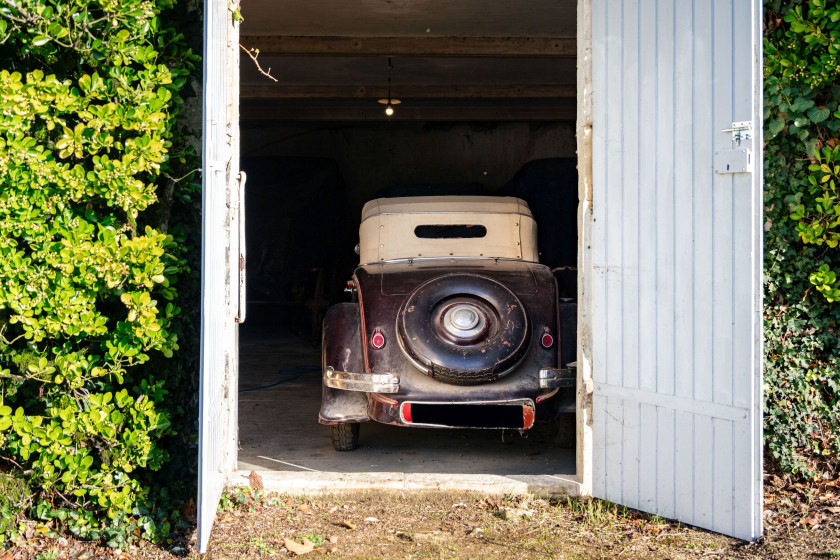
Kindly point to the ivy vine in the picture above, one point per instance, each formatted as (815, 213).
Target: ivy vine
(802, 212)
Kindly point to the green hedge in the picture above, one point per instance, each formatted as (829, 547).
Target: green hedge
(94, 171)
(802, 313)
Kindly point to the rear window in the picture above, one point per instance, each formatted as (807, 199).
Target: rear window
(450, 231)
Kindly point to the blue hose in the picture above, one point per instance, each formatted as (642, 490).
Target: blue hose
(295, 373)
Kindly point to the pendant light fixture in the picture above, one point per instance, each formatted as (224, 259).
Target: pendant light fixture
(389, 102)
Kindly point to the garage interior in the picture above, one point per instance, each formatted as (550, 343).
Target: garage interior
(487, 106)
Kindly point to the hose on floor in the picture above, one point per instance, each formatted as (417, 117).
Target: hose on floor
(292, 374)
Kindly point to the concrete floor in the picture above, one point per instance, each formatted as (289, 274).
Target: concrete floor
(281, 439)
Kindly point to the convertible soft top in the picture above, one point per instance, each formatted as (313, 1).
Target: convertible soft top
(447, 226)
(438, 204)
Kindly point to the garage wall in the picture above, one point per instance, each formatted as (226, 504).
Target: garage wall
(373, 156)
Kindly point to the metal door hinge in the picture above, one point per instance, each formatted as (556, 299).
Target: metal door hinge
(741, 130)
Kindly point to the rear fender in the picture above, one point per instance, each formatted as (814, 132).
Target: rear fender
(342, 339)
(341, 350)
(340, 407)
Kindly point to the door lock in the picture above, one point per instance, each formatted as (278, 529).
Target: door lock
(741, 130)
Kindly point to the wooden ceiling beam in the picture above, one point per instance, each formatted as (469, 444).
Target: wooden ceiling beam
(469, 91)
(252, 115)
(274, 45)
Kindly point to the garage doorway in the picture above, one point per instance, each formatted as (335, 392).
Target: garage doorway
(488, 107)
(669, 235)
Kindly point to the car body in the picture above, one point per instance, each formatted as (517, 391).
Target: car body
(453, 323)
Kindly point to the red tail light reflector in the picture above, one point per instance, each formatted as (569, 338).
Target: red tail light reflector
(547, 339)
(378, 339)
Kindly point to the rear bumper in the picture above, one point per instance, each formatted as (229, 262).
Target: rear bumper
(424, 402)
(365, 382)
(549, 378)
(552, 378)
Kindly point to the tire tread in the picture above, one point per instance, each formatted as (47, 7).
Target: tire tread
(345, 437)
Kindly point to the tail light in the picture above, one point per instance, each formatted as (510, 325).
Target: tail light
(377, 340)
(547, 339)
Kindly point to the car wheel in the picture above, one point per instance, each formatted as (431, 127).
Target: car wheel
(345, 437)
(464, 329)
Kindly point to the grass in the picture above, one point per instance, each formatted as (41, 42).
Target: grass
(262, 547)
(314, 538)
(15, 491)
(597, 512)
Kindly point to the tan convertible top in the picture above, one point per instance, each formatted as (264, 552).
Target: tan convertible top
(389, 228)
(464, 204)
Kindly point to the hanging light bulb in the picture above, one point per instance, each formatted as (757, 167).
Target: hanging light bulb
(389, 102)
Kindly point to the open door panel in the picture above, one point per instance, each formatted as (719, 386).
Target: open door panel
(220, 304)
(676, 260)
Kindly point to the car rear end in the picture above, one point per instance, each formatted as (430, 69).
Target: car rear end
(458, 324)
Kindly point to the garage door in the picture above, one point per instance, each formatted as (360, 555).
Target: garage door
(676, 260)
(220, 263)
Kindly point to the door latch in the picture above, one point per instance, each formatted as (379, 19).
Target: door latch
(741, 130)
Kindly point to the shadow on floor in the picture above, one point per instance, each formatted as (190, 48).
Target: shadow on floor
(279, 430)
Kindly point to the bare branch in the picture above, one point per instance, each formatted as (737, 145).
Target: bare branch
(12, 461)
(12, 376)
(63, 497)
(168, 198)
(26, 17)
(254, 54)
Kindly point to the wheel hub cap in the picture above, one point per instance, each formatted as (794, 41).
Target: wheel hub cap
(463, 321)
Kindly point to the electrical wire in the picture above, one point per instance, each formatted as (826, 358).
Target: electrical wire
(295, 373)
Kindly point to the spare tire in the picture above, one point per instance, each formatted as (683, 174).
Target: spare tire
(463, 329)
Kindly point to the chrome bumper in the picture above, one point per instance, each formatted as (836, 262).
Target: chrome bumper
(551, 378)
(366, 382)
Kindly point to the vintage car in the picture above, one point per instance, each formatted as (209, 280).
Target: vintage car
(453, 323)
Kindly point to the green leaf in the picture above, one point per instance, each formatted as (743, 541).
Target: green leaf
(775, 126)
(817, 115)
(801, 104)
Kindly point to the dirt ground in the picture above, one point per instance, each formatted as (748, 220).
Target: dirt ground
(801, 521)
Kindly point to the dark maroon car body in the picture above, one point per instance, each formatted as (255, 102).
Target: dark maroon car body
(388, 355)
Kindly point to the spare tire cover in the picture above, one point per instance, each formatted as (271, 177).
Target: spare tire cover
(463, 329)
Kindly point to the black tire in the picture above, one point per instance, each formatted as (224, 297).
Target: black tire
(345, 437)
(484, 358)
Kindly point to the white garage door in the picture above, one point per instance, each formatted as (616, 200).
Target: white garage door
(220, 267)
(676, 259)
